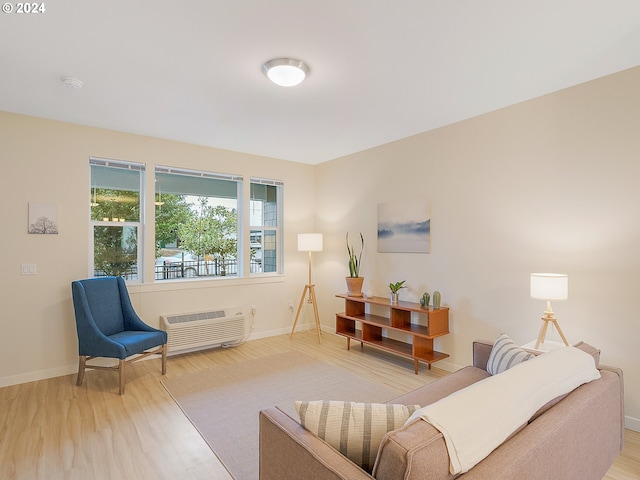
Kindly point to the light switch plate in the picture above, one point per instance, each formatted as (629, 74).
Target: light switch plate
(28, 269)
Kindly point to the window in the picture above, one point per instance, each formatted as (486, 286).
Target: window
(196, 224)
(116, 218)
(265, 214)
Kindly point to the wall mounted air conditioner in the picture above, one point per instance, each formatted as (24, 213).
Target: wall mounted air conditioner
(200, 330)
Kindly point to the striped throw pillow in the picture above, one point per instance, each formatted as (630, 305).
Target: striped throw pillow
(354, 429)
(505, 354)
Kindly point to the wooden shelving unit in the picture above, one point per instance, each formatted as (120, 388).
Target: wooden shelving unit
(375, 327)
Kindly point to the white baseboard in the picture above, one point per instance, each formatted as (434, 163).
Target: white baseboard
(268, 333)
(301, 327)
(59, 371)
(39, 375)
(632, 423)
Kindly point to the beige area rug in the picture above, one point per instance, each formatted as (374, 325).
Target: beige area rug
(223, 402)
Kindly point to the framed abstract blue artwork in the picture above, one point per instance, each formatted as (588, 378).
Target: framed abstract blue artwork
(404, 227)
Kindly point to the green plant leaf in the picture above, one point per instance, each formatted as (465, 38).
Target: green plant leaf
(394, 287)
(354, 260)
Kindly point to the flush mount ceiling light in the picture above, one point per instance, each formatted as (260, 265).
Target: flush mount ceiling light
(286, 72)
(71, 82)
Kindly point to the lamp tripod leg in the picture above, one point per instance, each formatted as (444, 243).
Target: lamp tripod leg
(304, 293)
(312, 293)
(543, 332)
(555, 322)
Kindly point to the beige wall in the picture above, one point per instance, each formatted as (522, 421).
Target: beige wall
(47, 161)
(547, 185)
(552, 184)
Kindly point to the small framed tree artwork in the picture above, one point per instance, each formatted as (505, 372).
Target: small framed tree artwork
(43, 218)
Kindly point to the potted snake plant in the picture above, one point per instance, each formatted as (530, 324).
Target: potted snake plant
(354, 280)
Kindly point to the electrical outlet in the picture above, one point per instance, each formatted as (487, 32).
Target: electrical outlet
(253, 309)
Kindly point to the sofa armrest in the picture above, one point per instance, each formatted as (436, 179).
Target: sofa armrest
(481, 352)
(617, 371)
(289, 452)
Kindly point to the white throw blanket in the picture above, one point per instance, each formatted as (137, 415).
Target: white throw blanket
(477, 419)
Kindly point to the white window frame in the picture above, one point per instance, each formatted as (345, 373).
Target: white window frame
(140, 225)
(278, 228)
(239, 180)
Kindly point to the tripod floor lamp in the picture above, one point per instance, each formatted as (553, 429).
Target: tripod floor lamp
(549, 286)
(309, 242)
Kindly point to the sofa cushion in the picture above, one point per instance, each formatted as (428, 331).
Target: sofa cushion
(505, 354)
(355, 429)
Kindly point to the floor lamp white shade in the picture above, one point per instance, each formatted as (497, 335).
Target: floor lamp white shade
(549, 286)
(309, 242)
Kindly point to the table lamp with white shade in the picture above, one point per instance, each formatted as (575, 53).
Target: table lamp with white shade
(549, 286)
(309, 242)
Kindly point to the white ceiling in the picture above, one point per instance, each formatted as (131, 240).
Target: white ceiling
(380, 70)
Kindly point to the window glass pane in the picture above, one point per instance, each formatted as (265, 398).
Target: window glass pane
(265, 211)
(269, 255)
(264, 205)
(115, 193)
(256, 251)
(116, 251)
(196, 224)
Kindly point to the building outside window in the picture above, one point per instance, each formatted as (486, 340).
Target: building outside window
(116, 218)
(265, 220)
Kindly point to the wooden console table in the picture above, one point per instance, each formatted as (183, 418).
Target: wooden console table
(375, 327)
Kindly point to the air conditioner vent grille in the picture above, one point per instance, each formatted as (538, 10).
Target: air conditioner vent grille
(190, 317)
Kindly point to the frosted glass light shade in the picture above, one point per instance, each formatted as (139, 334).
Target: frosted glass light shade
(286, 72)
(549, 286)
(309, 242)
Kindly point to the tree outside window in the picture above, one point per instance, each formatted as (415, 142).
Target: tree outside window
(196, 224)
(211, 232)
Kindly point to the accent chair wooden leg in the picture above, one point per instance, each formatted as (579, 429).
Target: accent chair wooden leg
(121, 365)
(164, 359)
(81, 364)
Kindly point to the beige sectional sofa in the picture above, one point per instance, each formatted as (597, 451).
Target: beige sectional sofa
(575, 437)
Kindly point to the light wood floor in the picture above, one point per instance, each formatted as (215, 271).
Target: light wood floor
(52, 429)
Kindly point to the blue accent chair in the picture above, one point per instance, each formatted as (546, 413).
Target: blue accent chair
(109, 327)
